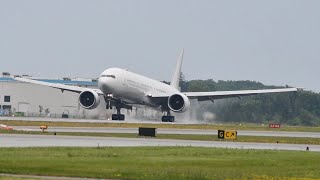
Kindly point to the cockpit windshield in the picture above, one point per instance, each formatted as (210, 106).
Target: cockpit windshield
(111, 76)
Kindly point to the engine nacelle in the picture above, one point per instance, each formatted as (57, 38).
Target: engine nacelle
(89, 99)
(179, 103)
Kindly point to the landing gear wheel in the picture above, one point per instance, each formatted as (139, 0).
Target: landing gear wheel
(120, 117)
(118, 105)
(115, 117)
(168, 118)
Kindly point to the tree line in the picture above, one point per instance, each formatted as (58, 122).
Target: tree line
(295, 108)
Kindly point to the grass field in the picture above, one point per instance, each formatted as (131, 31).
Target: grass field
(165, 125)
(262, 139)
(17, 178)
(160, 163)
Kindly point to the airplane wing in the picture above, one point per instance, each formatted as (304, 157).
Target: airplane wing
(62, 87)
(203, 96)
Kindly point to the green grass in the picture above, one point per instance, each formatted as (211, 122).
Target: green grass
(160, 163)
(18, 178)
(165, 125)
(262, 139)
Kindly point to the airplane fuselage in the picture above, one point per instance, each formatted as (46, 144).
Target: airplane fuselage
(132, 87)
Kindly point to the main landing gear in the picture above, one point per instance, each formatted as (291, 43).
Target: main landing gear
(118, 116)
(168, 118)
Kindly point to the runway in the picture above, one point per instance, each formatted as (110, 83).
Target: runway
(14, 140)
(71, 120)
(43, 119)
(135, 130)
(170, 131)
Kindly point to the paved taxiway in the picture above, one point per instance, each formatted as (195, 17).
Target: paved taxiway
(57, 120)
(15, 140)
(170, 131)
(50, 119)
(159, 131)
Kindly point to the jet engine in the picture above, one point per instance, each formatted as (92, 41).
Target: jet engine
(178, 103)
(89, 99)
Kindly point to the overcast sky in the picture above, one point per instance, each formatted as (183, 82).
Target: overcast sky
(276, 42)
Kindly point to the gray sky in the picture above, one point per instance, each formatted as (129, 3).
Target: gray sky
(276, 42)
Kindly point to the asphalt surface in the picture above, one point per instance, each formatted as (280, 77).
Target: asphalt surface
(20, 140)
(10, 140)
(57, 119)
(128, 120)
(170, 131)
(44, 119)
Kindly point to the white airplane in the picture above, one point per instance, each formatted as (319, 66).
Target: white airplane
(124, 89)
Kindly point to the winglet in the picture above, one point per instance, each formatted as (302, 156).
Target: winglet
(177, 73)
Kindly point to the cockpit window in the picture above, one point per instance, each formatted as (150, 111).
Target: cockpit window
(111, 76)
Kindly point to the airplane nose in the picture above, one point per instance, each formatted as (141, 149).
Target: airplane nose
(103, 83)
